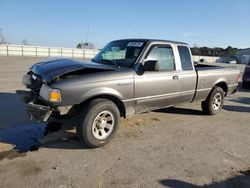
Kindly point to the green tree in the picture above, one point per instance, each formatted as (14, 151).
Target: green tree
(230, 51)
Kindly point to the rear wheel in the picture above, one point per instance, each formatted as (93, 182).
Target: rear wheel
(99, 122)
(245, 85)
(214, 102)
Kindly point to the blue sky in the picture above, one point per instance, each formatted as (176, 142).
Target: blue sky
(65, 22)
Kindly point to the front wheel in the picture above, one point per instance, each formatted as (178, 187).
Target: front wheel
(214, 102)
(99, 122)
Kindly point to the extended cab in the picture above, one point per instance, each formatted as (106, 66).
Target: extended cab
(125, 78)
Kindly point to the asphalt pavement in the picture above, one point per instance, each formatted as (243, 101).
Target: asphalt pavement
(174, 147)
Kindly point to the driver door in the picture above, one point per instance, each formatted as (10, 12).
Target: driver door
(157, 89)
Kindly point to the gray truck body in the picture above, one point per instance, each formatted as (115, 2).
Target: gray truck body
(132, 91)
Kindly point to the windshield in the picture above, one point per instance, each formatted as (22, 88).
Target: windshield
(122, 53)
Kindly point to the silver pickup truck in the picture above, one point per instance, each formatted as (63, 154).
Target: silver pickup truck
(125, 78)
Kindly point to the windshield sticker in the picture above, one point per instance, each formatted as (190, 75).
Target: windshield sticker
(135, 44)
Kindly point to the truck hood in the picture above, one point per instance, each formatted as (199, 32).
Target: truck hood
(49, 69)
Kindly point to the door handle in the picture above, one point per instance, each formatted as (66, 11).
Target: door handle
(175, 77)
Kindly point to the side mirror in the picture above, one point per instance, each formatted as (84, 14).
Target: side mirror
(151, 65)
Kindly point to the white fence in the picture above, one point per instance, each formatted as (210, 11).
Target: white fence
(42, 51)
(209, 59)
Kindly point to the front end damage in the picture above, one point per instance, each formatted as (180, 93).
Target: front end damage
(42, 100)
(36, 109)
(38, 105)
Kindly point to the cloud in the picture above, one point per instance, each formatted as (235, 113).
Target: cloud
(189, 34)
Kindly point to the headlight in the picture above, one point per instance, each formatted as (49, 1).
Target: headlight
(50, 94)
(27, 80)
(55, 95)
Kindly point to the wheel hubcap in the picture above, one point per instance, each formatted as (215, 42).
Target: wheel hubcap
(103, 125)
(217, 101)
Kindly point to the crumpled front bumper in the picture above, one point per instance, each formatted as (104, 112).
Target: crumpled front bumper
(34, 111)
(38, 112)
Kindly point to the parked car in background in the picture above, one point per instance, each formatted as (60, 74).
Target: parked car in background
(246, 77)
(230, 60)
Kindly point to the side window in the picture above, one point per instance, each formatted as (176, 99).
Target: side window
(186, 61)
(164, 55)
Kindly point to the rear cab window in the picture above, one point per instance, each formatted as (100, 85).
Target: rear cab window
(185, 56)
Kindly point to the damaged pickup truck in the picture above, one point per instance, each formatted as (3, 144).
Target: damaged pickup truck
(126, 77)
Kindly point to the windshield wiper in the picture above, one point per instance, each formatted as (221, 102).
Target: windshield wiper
(110, 62)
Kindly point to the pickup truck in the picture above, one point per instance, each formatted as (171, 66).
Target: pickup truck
(126, 77)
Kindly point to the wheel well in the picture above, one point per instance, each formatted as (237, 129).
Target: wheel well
(223, 85)
(114, 99)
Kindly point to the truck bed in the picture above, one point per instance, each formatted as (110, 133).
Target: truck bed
(202, 66)
(209, 75)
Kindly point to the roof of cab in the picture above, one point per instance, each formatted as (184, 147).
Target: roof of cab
(151, 40)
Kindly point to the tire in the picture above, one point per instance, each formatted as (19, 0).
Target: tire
(214, 101)
(245, 85)
(99, 121)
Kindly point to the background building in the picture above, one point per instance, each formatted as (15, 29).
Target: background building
(243, 56)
